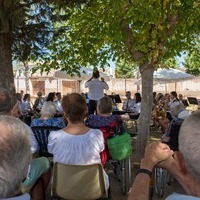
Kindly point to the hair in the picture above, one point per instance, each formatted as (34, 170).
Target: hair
(26, 96)
(50, 96)
(39, 94)
(96, 74)
(137, 97)
(104, 105)
(5, 101)
(174, 94)
(75, 107)
(48, 108)
(14, 154)
(189, 138)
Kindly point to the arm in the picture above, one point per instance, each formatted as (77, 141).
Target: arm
(106, 85)
(176, 166)
(86, 83)
(154, 153)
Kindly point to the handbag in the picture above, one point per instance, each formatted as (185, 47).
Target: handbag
(120, 146)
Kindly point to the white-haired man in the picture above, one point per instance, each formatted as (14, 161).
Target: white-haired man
(183, 165)
(38, 166)
(15, 156)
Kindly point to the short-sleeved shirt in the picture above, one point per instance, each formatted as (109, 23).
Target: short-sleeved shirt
(76, 149)
(96, 89)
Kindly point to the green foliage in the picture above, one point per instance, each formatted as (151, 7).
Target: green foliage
(124, 70)
(136, 31)
(192, 61)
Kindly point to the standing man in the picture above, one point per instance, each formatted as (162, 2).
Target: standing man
(96, 90)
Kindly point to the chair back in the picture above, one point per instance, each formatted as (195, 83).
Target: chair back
(78, 182)
(41, 134)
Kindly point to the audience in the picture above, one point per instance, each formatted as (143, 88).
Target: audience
(76, 143)
(38, 166)
(183, 165)
(47, 117)
(14, 160)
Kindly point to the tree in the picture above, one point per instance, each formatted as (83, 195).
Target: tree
(192, 60)
(14, 14)
(145, 32)
(124, 70)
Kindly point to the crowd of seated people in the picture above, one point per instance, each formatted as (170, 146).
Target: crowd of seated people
(164, 109)
(80, 142)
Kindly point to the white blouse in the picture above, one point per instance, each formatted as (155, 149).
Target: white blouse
(76, 149)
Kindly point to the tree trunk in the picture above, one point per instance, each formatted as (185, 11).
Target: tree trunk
(6, 69)
(146, 71)
(26, 73)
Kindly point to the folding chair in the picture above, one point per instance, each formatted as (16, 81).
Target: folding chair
(78, 182)
(41, 134)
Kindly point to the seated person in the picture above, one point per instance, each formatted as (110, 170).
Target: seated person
(183, 165)
(38, 102)
(174, 102)
(38, 166)
(128, 104)
(76, 143)
(103, 120)
(47, 117)
(15, 160)
(137, 106)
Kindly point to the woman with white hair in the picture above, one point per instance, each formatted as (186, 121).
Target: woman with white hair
(47, 117)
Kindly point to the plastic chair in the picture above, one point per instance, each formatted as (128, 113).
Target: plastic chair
(78, 182)
(41, 134)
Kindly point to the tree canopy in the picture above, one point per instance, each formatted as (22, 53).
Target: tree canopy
(143, 32)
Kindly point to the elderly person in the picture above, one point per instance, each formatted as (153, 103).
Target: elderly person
(76, 143)
(104, 118)
(38, 166)
(47, 117)
(183, 165)
(15, 160)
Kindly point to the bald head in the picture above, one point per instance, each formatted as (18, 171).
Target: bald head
(189, 145)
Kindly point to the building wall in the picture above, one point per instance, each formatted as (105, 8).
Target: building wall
(119, 86)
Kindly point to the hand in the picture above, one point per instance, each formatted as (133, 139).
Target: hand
(155, 152)
(174, 164)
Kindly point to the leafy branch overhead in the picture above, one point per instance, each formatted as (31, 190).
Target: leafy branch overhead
(135, 31)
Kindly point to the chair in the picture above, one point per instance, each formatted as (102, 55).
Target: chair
(78, 182)
(41, 134)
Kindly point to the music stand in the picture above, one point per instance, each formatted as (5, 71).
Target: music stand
(185, 102)
(193, 100)
(116, 98)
